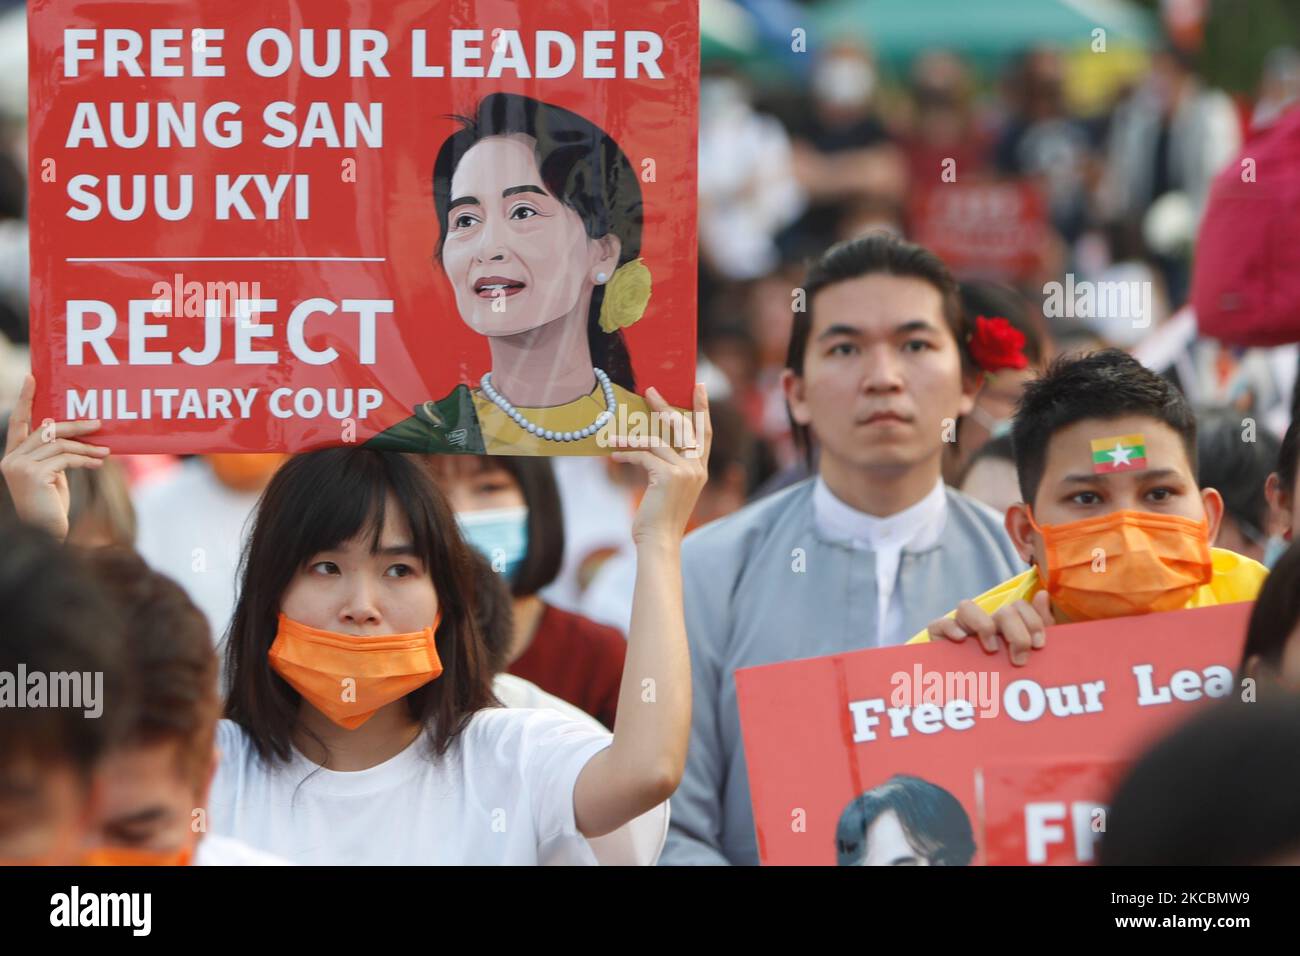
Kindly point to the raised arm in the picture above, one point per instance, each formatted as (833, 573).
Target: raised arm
(35, 461)
(644, 764)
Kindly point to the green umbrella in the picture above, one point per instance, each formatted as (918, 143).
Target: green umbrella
(984, 31)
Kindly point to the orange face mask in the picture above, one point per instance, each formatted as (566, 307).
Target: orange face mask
(127, 856)
(347, 678)
(1125, 563)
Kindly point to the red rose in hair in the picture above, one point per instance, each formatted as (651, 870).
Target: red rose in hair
(996, 344)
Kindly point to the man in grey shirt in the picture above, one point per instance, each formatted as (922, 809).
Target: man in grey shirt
(866, 552)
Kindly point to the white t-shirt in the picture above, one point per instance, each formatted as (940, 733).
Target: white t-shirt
(502, 794)
(217, 850)
(629, 845)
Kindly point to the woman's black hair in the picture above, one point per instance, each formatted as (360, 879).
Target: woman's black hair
(996, 299)
(583, 167)
(494, 612)
(316, 502)
(936, 825)
(1276, 613)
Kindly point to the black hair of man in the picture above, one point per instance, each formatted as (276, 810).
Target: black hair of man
(55, 622)
(1105, 384)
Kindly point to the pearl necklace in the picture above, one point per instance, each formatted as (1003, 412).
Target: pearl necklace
(518, 418)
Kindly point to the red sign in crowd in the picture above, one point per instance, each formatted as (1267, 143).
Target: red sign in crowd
(245, 247)
(1028, 755)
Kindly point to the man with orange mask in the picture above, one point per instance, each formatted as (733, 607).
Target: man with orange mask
(1112, 517)
(61, 686)
(153, 784)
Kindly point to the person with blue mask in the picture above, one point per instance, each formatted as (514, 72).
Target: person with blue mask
(508, 509)
(500, 535)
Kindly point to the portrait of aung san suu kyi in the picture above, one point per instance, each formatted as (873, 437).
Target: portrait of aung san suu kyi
(539, 215)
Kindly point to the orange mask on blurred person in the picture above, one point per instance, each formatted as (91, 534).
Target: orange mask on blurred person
(128, 856)
(244, 472)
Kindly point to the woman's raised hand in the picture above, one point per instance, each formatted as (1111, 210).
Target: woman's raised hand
(675, 456)
(645, 763)
(34, 463)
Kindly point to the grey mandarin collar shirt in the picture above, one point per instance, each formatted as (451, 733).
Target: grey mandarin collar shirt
(913, 529)
(774, 582)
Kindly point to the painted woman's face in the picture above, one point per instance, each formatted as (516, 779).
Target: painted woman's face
(517, 257)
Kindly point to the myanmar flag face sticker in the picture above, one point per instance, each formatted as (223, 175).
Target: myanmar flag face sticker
(1122, 453)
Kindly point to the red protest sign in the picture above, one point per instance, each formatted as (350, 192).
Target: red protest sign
(825, 738)
(989, 229)
(278, 227)
(1045, 812)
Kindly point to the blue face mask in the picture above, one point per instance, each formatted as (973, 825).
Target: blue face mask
(1276, 548)
(500, 535)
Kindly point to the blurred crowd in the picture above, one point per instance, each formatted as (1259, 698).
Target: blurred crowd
(999, 171)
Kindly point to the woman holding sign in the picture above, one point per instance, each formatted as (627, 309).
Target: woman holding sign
(362, 728)
(539, 215)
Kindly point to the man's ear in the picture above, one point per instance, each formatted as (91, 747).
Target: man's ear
(1213, 502)
(1280, 511)
(793, 386)
(971, 383)
(1020, 530)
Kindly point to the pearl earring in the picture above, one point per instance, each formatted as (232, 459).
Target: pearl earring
(601, 278)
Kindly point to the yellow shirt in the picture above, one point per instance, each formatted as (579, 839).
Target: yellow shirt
(502, 436)
(1235, 578)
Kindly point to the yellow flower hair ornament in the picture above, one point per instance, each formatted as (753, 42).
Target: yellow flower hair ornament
(626, 296)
